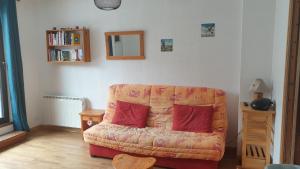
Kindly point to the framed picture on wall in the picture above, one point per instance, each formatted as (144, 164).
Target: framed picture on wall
(208, 29)
(166, 45)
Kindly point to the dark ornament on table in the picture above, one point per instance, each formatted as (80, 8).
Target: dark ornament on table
(261, 104)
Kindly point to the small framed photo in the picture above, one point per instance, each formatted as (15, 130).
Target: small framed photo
(166, 45)
(208, 29)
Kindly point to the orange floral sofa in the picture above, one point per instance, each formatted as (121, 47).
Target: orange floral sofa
(158, 139)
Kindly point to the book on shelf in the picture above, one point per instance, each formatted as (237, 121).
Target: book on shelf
(61, 38)
(65, 55)
(76, 38)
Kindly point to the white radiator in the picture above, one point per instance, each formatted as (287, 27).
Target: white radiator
(63, 111)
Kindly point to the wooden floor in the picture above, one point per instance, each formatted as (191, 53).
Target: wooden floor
(60, 149)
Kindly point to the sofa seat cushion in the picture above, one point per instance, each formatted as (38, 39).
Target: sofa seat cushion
(157, 141)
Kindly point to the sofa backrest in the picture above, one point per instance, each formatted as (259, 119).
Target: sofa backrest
(162, 98)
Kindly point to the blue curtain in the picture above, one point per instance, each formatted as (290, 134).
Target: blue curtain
(12, 51)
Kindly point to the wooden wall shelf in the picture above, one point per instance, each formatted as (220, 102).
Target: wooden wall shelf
(68, 46)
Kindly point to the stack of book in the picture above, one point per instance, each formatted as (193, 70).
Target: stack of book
(66, 54)
(63, 38)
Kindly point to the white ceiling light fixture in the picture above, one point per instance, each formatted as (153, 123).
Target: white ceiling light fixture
(108, 4)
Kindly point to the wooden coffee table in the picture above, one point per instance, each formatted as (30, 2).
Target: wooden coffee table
(125, 161)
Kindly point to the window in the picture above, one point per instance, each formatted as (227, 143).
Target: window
(4, 111)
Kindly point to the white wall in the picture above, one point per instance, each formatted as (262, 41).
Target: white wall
(257, 44)
(31, 54)
(257, 48)
(195, 61)
(278, 68)
(265, 22)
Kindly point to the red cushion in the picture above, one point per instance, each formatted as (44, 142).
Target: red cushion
(192, 118)
(130, 114)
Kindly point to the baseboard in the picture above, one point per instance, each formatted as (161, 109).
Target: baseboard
(53, 127)
(12, 138)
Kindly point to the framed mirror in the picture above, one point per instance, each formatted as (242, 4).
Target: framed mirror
(127, 45)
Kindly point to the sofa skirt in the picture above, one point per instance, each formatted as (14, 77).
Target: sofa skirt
(176, 163)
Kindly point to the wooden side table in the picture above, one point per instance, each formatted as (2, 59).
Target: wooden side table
(90, 117)
(257, 137)
(125, 161)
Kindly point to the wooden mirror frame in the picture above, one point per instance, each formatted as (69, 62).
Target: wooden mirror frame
(142, 55)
